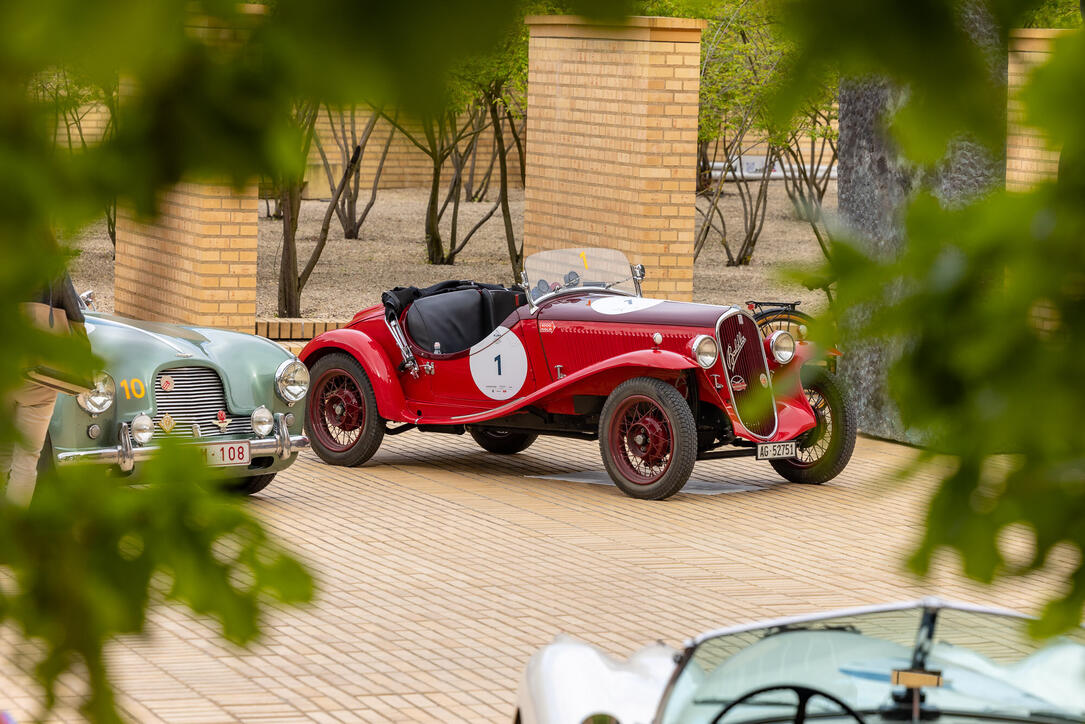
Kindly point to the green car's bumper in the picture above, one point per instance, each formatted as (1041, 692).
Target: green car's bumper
(280, 444)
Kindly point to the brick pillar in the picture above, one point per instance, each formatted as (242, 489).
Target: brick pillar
(1029, 158)
(612, 141)
(194, 264)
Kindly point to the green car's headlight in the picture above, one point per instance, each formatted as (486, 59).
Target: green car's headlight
(292, 381)
(99, 399)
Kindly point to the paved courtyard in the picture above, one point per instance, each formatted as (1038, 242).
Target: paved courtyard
(441, 568)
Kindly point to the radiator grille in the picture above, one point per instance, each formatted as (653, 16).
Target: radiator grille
(744, 362)
(194, 398)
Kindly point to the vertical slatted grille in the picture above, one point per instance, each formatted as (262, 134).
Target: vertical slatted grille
(195, 397)
(744, 363)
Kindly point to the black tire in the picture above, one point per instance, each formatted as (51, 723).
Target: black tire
(502, 442)
(250, 485)
(331, 423)
(828, 447)
(624, 437)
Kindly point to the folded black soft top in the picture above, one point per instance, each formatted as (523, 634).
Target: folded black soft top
(397, 300)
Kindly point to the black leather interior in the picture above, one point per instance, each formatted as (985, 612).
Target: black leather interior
(459, 319)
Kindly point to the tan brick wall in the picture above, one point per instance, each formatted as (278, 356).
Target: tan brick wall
(1028, 158)
(406, 165)
(612, 142)
(92, 120)
(195, 263)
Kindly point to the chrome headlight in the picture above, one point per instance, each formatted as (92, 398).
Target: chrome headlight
(705, 350)
(142, 428)
(98, 400)
(292, 381)
(262, 421)
(782, 345)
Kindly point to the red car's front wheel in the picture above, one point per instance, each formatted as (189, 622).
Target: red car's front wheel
(341, 412)
(648, 438)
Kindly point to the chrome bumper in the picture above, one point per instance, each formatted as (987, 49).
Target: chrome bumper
(125, 455)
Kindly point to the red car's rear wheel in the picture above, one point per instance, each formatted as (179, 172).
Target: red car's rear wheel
(341, 412)
(648, 438)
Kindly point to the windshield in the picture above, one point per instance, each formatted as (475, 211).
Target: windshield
(550, 271)
(987, 662)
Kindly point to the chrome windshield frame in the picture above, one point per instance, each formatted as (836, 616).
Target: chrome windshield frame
(930, 603)
(535, 304)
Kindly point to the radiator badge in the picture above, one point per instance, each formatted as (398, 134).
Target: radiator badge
(167, 422)
(732, 352)
(166, 383)
(738, 384)
(221, 420)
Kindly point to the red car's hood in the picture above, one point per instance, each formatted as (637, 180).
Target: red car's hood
(602, 307)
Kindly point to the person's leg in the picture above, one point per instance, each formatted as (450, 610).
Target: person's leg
(6, 449)
(33, 410)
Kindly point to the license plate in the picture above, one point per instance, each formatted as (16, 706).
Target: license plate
(227, 453)
(775, 450)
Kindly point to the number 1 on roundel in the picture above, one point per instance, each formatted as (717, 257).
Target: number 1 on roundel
(584, 258)
(497, 359)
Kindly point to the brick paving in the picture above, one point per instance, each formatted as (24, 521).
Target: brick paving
(442, 568)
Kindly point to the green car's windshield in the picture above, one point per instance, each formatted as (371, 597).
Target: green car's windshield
(986, 662)
(549, 271)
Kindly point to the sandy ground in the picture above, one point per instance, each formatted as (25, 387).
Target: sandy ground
(353, 272)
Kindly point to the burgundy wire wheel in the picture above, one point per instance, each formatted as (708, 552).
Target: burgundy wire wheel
(641, 440)
(337, 410)
(814, 445)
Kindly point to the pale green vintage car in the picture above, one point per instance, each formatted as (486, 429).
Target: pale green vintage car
(238, 397)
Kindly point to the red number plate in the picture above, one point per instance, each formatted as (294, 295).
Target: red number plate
(227, 453)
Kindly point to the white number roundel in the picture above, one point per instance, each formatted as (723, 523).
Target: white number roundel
(499, 364)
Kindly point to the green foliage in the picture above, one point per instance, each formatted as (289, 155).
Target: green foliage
(195, 103)
(1055, 14)
(92, 553)
(989, 298)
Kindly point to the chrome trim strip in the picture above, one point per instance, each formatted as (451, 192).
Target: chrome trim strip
(727, 373)
(154, 335)
(124, 454)
(511, 403)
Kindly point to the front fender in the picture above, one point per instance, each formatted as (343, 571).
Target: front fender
(569, 681)
(371, 356)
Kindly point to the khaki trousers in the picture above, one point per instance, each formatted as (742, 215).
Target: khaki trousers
(31, 408)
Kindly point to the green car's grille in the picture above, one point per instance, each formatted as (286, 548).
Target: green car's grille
(194, 397)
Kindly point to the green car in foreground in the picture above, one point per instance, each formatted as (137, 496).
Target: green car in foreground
(239, 397)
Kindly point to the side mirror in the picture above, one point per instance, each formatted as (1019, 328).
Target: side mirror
(87, 298)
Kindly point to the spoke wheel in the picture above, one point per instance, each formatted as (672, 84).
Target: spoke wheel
(648, 438)
(824, 450)
(341, 411)
(341, 415)
(642, 440)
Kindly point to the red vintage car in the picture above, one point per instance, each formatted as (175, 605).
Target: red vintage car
(578, 352)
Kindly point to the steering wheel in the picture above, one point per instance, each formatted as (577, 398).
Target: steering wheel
(543, 287)
(571, 279)
(805, 694)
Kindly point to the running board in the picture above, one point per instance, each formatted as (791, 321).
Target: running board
(720, 454)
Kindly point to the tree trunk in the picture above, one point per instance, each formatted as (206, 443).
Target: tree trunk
(289, 293)
(516, 254)
(435, 249)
